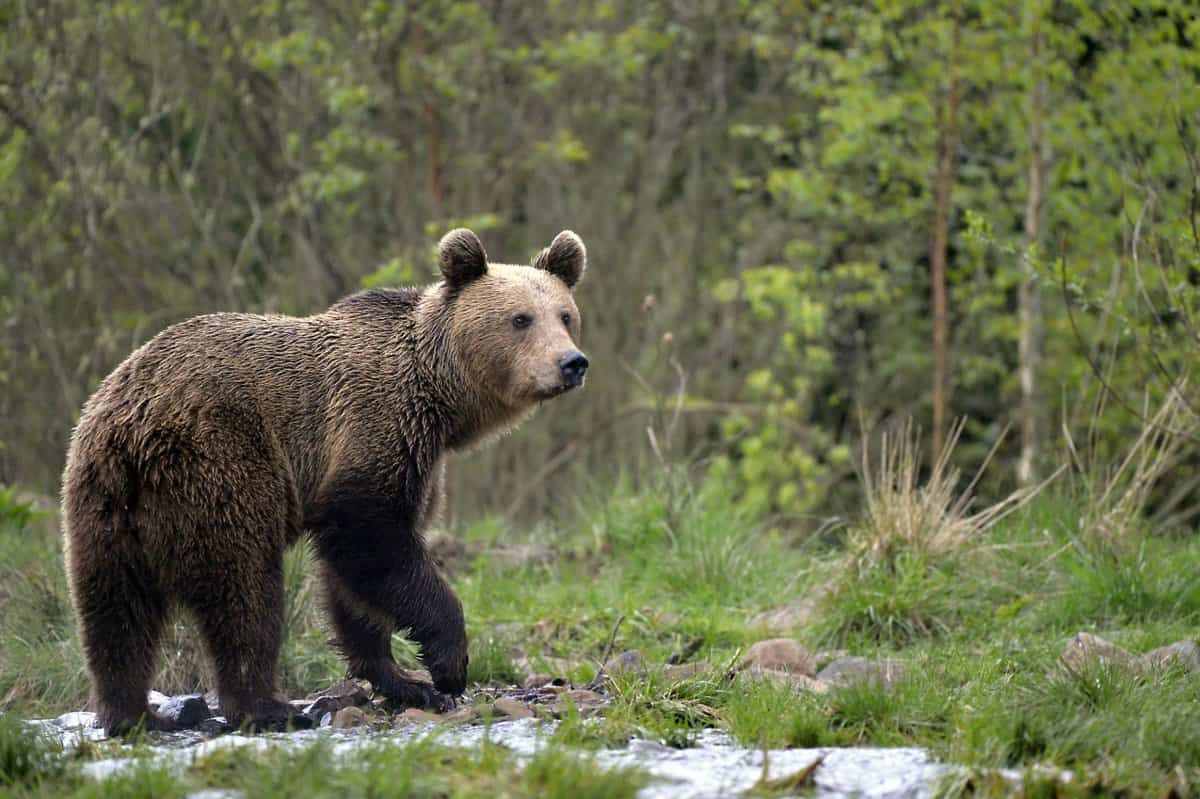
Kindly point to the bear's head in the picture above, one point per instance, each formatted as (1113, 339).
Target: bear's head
(514, 328)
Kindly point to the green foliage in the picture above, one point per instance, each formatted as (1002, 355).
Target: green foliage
(1125, 725)
(16, 513)
(894, 606)
(491, 662)
(771, 251)
(26, 754)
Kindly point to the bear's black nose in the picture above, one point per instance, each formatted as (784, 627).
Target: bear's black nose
(574, 364)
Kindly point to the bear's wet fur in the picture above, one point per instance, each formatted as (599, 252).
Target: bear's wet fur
(227, 437)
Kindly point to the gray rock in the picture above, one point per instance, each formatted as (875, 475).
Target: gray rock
(186, 711)
(1181, 654)
(859, 670)
(156, 700)
(1086, 648)
(629, 662)
(779, 654)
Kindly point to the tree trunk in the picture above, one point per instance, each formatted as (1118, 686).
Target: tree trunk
(941, 215)
(1030, 345)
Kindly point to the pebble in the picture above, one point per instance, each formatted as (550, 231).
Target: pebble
(1185, 654)
(629, 662)
(186, 711)
(1085, 647)
(780, 654)
(349, 717)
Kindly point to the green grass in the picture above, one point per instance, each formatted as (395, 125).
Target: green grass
(677, 567)
(419, 769)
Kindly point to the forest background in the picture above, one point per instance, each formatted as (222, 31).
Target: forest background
(805, 220)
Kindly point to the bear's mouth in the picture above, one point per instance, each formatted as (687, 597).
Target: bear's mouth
(559, 390)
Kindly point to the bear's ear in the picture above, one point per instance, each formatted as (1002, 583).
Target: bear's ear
(565, 258)
(461, 257)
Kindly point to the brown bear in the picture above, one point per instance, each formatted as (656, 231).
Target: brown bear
(227, 437)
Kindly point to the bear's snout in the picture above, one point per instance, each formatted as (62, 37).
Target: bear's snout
(573, 365)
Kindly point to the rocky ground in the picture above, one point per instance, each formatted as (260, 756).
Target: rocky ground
(549, 693)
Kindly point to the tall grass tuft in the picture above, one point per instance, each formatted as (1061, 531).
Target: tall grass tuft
(902, 554)
(930, 518)
(1116, 496)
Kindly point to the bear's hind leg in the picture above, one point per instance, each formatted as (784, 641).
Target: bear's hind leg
(121, 618)
(241, 620)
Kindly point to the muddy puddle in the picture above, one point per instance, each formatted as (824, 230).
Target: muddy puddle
(715, 767)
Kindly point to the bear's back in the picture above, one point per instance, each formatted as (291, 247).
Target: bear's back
(264, 381)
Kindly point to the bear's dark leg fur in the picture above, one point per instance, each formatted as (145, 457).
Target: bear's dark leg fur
(382, 568)
(240, 613)
(366, 644)
(122, 618)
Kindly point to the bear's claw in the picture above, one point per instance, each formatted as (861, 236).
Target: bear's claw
(411, 694)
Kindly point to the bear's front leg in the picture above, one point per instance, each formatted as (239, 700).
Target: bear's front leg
(380, 578)
(363, 636)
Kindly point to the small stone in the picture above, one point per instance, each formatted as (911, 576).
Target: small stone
(416, 715)
(1181, 654)
(797, 682)
(786, 618)
(780, 654)
(860, 670)
(535, 681)
(349, 717)
(629, 662)
(462, 715)
(186, 711)
(511, 708)
(1085, 648)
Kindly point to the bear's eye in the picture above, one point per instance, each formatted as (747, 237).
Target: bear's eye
(566, 319)
(521, 320)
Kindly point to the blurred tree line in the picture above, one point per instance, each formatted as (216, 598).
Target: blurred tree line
(773, 195)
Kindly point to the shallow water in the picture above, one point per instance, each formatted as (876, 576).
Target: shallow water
(715, 767)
